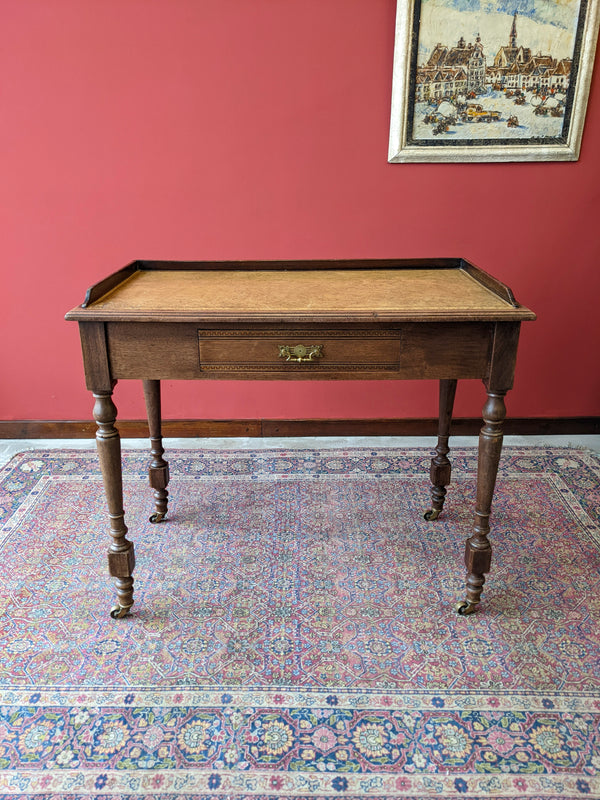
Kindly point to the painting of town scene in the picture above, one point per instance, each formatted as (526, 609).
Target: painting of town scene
(485, 72)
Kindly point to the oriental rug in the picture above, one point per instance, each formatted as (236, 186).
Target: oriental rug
(294, 632)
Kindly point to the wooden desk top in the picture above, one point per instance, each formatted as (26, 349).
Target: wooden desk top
(385, 291)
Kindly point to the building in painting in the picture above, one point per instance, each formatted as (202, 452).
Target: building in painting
(516, 68)
(559, 79)
(512, 53)
(435, 84)
(451, 72)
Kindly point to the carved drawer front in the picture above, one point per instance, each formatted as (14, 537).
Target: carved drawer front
(294, 351)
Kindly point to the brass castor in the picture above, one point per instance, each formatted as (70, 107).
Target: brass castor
(118, 611)
(432, 514)
(463, 608)
(158, 516)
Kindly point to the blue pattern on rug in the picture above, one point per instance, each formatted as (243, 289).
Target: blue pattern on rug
(294, 632)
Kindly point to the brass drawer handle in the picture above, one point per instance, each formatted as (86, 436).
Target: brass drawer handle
(300, 352)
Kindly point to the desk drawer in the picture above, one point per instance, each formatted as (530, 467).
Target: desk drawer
(183, 351)
(299, 351)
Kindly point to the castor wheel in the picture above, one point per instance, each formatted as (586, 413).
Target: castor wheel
(158, 516)
(432, 514)
(463, 608)
(118, 612)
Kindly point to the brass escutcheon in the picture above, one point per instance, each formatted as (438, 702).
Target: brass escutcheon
(300, 352)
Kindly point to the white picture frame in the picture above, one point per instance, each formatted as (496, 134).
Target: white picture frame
(449, 107)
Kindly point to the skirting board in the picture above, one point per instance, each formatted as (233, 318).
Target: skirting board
(525, 426)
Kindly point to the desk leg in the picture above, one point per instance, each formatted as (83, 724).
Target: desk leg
(440, 465)
(478, 550)
(158, 472)
(121, 558)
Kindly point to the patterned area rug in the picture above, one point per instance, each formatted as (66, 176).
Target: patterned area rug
(294, 632)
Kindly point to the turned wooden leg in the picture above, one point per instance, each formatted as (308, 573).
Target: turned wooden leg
(478, 550)
(158, 472)
(121, 558)
(440, 465)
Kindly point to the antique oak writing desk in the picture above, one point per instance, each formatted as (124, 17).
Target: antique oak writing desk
(440, 319)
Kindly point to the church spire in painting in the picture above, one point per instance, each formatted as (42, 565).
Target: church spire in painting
(513, 32)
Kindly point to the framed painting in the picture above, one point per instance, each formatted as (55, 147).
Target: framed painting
(491, 80)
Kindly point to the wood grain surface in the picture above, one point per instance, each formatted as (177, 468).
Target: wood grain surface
(260, 292)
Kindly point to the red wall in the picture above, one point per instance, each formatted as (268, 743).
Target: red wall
(217, 129)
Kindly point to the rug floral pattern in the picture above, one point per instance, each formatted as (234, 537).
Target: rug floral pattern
(294, 634)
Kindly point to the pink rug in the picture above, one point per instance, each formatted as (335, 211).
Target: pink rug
(294, 634)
